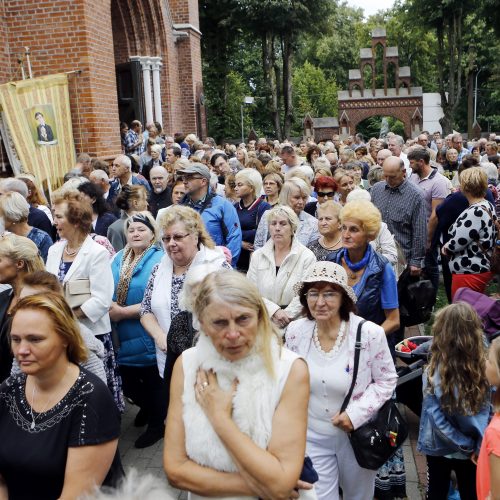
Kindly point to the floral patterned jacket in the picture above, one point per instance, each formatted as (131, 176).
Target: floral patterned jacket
(377, 376)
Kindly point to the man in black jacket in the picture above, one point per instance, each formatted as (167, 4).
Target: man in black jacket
(161, 195)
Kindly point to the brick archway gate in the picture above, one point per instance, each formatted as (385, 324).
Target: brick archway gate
(406, 109)
(363, 100)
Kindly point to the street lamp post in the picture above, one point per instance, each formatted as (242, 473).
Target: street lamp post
(247, 100)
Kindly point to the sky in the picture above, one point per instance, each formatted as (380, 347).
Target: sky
(371, 6)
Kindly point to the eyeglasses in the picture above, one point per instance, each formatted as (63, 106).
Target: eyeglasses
(327, 296)
(176, 237)
(321, 194)
(187, 178)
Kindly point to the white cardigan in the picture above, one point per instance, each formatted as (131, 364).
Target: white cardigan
(161, 296)
(92, 263)
(277, 289)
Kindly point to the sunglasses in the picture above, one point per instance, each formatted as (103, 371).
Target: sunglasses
(322, 195)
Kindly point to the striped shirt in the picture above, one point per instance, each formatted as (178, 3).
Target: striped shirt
(403, 210)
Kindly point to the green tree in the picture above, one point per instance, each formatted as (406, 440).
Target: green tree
(335, 48)
(314, 93)
(446, 18)
(218, 43)
(279, 24)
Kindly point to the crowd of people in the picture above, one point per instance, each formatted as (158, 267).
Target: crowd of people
(220, 290)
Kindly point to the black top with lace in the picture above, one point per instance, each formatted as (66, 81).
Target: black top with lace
(33, 460)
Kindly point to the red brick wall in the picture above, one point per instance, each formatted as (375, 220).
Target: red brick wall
(67, 36)
(185, 11)
(94, 35)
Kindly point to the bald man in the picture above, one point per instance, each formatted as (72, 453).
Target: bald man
(402, 206)
(382, 155)
(161, 195)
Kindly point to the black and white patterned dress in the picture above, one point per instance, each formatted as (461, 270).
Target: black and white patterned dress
(472, 238)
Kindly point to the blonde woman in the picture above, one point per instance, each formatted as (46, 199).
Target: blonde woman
(186, 244)
(279, 264)
(237, 419)
(250, 208)
(294, 194)
(18, 257)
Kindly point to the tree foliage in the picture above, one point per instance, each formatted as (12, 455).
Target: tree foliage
(289, 54)
(314, 93)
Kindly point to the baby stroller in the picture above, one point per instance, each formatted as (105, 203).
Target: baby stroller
(409, 387)
(486, 307)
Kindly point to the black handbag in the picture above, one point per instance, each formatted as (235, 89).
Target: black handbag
(376, 441)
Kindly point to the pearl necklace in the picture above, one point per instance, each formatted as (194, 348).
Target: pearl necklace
(336, 346)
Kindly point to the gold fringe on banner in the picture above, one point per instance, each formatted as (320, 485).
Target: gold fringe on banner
(38, 114)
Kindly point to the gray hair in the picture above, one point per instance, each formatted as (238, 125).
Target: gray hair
(16, 185)
(490, 169)
(125, 161)
(289, 185)
(306, 170)
(322, 162)
(100, 174)
(73, 183)
(398, 139)
(358, 194)
(14, 207)
(287, 213)
(156, 148)
(252, 178)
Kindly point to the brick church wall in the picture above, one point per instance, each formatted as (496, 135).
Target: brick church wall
(74, 35)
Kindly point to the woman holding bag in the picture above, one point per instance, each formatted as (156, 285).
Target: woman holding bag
(82, 266)
(326, 339)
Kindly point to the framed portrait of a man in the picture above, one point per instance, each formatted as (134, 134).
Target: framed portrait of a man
(42, 124)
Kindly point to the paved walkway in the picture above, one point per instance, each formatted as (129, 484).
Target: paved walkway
(149, 460)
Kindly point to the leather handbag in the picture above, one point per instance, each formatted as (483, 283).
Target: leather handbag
(376, 441)
(76, 292)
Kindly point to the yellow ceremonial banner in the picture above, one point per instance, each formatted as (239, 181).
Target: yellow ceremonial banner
(38, 116)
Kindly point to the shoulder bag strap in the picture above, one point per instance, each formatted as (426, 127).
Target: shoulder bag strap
(357, 350)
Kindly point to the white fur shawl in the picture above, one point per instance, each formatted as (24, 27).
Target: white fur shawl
(254, 403)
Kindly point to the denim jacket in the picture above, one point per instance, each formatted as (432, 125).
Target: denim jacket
(443, 434)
